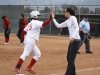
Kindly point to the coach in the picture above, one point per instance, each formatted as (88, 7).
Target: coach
(84, 34)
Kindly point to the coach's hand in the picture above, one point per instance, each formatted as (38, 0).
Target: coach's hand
(71, 40)
(53, 15)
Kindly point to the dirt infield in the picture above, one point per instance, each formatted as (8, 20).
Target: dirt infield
(53, 59)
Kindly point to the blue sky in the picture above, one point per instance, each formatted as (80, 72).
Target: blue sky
(47, 2)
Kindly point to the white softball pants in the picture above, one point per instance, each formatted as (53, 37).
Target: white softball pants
(30, 46)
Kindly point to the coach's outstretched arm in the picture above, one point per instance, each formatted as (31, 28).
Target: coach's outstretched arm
(63, 24)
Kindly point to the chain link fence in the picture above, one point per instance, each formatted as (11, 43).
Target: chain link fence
(93, 11)
(13, 12)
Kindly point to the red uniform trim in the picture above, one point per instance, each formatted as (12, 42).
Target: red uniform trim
(6, 23)
(23, 33)
(24, 22)
(47, 21)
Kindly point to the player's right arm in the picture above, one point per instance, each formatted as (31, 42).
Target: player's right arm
(61, 25)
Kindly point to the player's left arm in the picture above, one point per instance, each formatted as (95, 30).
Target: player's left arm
(74, 20)
(47, 21)
(24, 31)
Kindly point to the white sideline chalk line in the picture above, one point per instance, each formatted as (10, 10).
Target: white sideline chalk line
(89, 69)
(21, 74)
(81, 70)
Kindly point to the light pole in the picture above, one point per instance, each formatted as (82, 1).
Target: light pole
(19, 2)
(50, 12)
(25, 2)
(72, 2)
(37, 8)
(5, 2)
(50, 4)
(79, 9)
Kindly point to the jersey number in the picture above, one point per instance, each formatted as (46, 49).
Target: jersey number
(30, 27)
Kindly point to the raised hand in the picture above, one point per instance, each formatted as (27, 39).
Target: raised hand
(53, 15)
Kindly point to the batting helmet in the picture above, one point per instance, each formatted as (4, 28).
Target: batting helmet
(34, 14)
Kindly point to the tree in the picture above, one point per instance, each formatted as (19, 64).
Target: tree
(28, 9)
(92, 12)
(97, 10)
(75, 8)
(45, 10)
(64, 6)
(84, 10)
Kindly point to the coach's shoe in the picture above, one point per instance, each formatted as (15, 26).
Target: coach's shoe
(30, 70)
(17, 70)
(5, 43)
(78, 52)
(89, 52)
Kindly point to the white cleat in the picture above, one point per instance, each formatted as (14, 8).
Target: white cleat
(5, 43)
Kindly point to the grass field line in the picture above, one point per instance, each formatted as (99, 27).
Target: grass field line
(90, 69)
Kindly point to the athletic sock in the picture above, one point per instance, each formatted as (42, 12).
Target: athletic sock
(33, 61)
(7, 40)
(19, 63)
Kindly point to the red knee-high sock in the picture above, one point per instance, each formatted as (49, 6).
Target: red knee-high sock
(7, 40)
(20, 61)
(33, 61)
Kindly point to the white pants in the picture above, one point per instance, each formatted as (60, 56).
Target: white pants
(30, 46)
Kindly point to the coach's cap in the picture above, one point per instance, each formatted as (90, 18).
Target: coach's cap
(85, 16)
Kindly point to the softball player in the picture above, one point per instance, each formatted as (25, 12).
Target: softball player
(73, 28)
(22, 24)
(33, 32)
(7, 29)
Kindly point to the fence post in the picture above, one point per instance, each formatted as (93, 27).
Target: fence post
(50, 12)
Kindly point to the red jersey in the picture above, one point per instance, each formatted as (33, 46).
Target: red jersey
(6, 23)
(22, 23)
